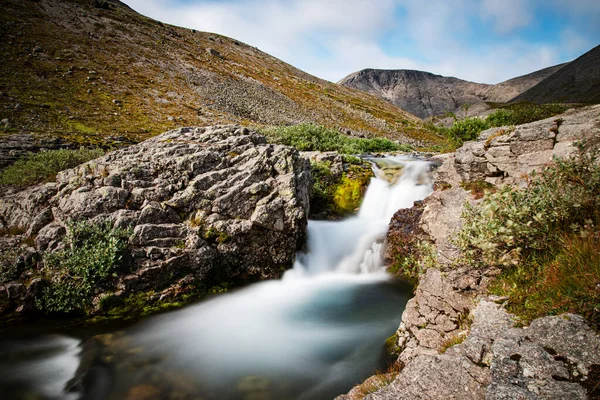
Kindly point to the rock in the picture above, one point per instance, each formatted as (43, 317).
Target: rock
(436, 377)
(497, 361)
(436, 313)
(502, 155)
(117, 102)
(197, 200)
(214, 53)
(441, 217)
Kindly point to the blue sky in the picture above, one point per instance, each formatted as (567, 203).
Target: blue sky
(485, 41)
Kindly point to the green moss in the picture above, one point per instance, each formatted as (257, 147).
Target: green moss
(341, 195)
(349, 192)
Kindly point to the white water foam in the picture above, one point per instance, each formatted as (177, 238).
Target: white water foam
(354, 245)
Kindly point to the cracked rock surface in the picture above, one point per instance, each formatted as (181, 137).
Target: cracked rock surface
(199, 201)
(502, 155)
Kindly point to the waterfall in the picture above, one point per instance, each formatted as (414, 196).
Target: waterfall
(354, 245)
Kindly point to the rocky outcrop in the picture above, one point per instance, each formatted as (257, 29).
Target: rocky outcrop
(553, 358)
(506, 155)
(199, 202)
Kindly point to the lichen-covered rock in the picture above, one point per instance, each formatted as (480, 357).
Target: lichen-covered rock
(504, 155)
(435, 314)
(216, 200)
(553, 358)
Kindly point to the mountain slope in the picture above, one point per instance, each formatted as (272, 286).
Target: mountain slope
(85, 73)
(425, 94)
(578, 82)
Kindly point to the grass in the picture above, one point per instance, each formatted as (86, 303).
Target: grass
(43, 166)
(478, 188)
(453, 340)
(545, 237)
(311, 137)
(564, 280)
(380, 380)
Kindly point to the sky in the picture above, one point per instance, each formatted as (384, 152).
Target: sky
(486, 41)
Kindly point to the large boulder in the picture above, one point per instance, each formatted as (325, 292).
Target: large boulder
(215, 201)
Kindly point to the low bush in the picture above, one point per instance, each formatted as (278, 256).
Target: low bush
(466, 129)
(310, 137)
(523, 113)
(544, 236)
(93, 252)
(43, 166)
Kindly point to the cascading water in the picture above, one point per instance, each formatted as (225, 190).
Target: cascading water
(311, 335)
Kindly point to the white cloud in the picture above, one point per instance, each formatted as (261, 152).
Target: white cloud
(507, 15)
(332, 38)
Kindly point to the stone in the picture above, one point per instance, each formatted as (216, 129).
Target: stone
(511, 157)
(198, 201)
(436, 377)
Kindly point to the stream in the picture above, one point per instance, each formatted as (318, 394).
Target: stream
(313, 334)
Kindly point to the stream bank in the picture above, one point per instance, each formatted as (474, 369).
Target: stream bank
(455, 339)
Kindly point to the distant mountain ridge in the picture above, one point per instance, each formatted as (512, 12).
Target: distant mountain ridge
(577, 82)
(425, 94)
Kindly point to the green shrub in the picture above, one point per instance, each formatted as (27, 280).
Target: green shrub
(513, 222)
(310, 137)
(466, 129)
(545, 237)
(43, 166)
(91, 257)
(523, 113)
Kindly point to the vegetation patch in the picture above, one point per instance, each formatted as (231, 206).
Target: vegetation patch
(338, 194)
(410, 251)
(453, 340)
(92, 255)
(544, 236)
(311, 137)
(43, 166)
(469, 128)
(380, 380)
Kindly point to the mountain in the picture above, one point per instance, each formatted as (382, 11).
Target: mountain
(425, 94)
(86, 71)
(578, 82)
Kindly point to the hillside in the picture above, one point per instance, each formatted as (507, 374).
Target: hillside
(425, 94)
(90, 74)
(578, 82)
